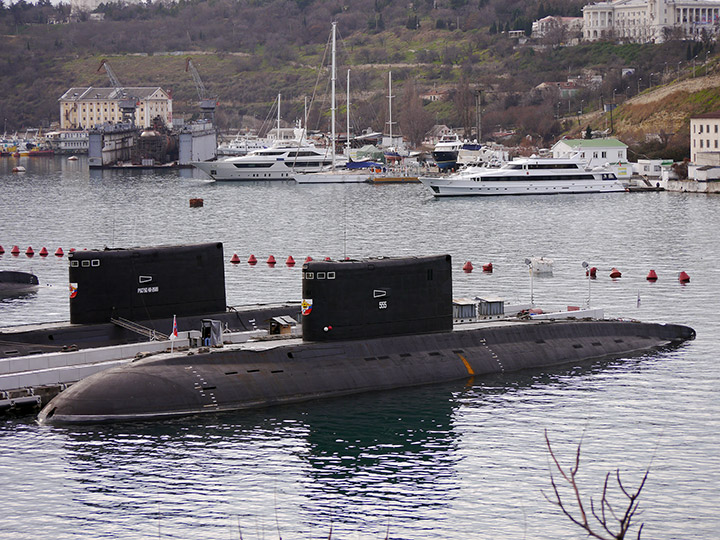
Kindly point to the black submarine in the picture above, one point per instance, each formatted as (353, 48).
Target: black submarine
(367, 325)
(146, 286)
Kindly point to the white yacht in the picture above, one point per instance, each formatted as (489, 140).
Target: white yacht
(526, 176)
(242, 145)
(282, 161)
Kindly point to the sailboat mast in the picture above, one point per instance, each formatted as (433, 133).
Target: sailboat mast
(332, 107)
(347, 120)
(278, 118)
(390, 96)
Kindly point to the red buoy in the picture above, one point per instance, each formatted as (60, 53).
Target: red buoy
(59, 252)
(488, 267)
(44, 252)
(308, 259)
(615, 273)
(327, 258)
(29, 251)
(15, 250)
(2, 250)
(271, 260)
(683, 277)
(235, 259)
(467, 267)
(72, 250)
(252, 259)
(290, 261)
(652, 276)
(592, 272)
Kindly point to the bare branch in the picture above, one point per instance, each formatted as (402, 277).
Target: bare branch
(612, 525)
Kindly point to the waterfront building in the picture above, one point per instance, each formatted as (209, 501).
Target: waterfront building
(85, 107)
(705, 139)
(596, 152)
(646, 21)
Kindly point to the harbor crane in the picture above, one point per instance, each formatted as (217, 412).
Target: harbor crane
(207, 103)
(126, 103)
(110, 73)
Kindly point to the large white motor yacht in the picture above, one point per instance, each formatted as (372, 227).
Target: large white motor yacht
(279, 162)
(526, 176)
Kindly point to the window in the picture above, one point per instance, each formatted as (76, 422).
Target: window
(603, 154)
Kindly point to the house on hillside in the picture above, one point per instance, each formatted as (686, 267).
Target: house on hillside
(434, 95)
(563, 27)
(437, 132)
(566, 89)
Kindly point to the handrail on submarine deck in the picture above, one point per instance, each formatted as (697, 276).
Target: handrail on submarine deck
(153, 335)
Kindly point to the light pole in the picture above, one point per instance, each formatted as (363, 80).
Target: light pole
(587, 271)
(639, 81)
(707, 53)
(678, 76)
(528, 262)
(694, 66)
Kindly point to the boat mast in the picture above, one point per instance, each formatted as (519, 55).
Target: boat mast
(347, 120)
(332, 106)
(278, 119)
(390, 96)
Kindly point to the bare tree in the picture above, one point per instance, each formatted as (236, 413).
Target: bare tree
(415, 121)
(607, 516)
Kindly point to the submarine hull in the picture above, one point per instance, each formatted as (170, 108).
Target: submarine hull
(262, 374)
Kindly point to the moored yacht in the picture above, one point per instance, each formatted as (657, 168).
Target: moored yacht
(526, 176)
(446, 151)
(281, 161)
(242, 145)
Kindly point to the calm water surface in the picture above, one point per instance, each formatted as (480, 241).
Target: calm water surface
(462, 461)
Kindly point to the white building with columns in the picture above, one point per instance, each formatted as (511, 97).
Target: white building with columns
(646, 21)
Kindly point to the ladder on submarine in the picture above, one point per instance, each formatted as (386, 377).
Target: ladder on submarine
(149, 333)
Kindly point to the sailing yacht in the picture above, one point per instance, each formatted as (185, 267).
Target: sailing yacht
(333, 175)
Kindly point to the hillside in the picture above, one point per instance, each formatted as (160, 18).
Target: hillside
(656, 123)
(248, 51)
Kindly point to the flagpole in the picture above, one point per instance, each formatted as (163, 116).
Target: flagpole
(173, 334)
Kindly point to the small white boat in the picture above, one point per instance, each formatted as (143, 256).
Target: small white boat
(526, 176)
(337, 176)
(541, 265)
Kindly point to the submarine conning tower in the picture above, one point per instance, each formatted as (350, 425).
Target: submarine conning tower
(378, 297)
(146, 283)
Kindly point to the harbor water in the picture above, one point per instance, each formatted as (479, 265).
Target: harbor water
(466, 460)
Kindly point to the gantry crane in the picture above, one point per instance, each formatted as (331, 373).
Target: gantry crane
(207, 103)
(126, 103)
